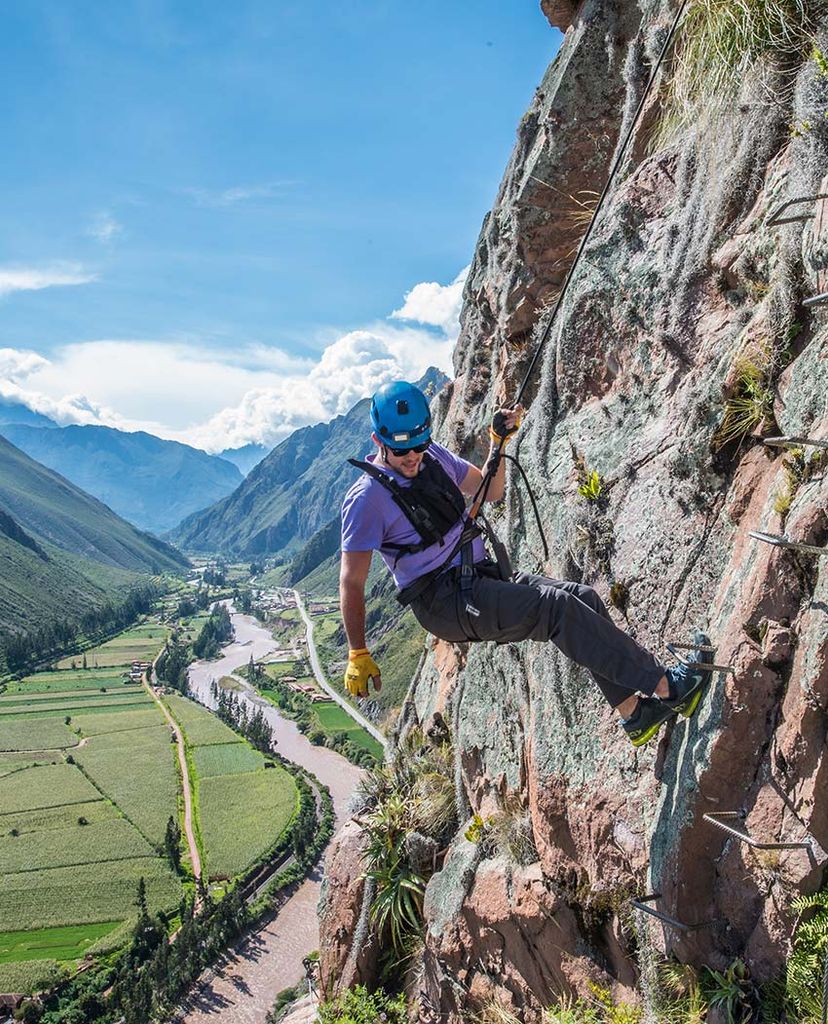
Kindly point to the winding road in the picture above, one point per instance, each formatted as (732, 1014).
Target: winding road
(316, 665)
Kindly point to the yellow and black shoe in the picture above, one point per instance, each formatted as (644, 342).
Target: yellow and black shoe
(647, 719)
(688, 680)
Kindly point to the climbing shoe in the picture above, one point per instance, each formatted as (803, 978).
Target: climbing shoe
(687, 681)
(646, 720)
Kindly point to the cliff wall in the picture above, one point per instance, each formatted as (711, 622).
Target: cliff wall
(685, 313)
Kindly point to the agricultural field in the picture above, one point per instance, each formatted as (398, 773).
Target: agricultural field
(242, 807)
(242, 816)
(144, 784)
(141, 643)
(333, 719)
(68, 681)
(226, 759)
(88, 781)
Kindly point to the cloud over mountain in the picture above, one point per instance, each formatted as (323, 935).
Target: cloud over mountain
(217, 399)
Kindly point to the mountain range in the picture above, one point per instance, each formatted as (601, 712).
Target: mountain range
(292, 493)
(148, 481)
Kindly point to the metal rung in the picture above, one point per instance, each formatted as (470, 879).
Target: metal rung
(783, 442)
(783, 542)
(815, 300)
(674, 649)
(641, 904)
(776, 218)
(714, 816)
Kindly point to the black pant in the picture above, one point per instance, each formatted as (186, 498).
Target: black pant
(527, 607)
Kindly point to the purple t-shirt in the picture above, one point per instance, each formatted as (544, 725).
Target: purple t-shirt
(371, 518)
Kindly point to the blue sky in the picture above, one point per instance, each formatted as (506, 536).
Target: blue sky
(204, 198)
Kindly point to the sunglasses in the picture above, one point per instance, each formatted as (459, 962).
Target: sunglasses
(402, 452)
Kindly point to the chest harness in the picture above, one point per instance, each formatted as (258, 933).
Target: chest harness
(434, 504)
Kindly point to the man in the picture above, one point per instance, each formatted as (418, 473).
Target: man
(409, 505)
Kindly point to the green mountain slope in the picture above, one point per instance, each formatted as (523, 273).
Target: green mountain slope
(36, 589)
(148, 481)
(53, 511)
(295, 491)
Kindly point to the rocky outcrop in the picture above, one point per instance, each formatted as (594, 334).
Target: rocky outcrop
(686, 308)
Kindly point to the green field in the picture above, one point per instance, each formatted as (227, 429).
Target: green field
(138, 774)
(35, 734)
(200, 726)
(67, 681)
(63, 943)
(333, 719)
(62, 706)
(141, 643)
(29, 975)
(117, 721)
(76, 837)
(225, 759)
(49, 786)
(71, 845)
(85, 893)
(242, 816)
(241, 807)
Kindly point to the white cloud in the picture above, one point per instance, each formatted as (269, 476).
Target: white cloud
(237, 193)
(17, 365)
(435, 304)
(65, 410)
(104, 228)
(217, 400)
(24, 279)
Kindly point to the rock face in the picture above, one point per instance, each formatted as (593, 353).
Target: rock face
(687, 306)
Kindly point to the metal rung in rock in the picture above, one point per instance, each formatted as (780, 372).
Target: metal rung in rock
(642, 905)
(783, 542)
(714, 816)
(784, 442)
(675, 648)
(815, 300)
(777, 218)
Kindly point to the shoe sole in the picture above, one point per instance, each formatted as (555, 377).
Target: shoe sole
(647, 735)
(687, 710)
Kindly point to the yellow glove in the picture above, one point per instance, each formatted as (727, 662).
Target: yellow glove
(499, 432)
(361, 668)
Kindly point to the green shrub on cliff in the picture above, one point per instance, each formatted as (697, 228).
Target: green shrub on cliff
(359, 1006)
(803, 982)
(409, 817)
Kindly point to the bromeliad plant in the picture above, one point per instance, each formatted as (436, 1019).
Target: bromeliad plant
(410, 799)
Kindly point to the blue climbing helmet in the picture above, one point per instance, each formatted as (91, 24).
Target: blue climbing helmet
(400, 415)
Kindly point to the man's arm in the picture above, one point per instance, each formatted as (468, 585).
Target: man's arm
(472, 479)
(353, 573)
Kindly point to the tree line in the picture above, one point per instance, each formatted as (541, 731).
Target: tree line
(233, 712)
(215, 632)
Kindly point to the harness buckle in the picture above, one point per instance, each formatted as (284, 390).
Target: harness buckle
(471, 610)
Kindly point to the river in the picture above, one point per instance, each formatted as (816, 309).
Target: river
(269, 959)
